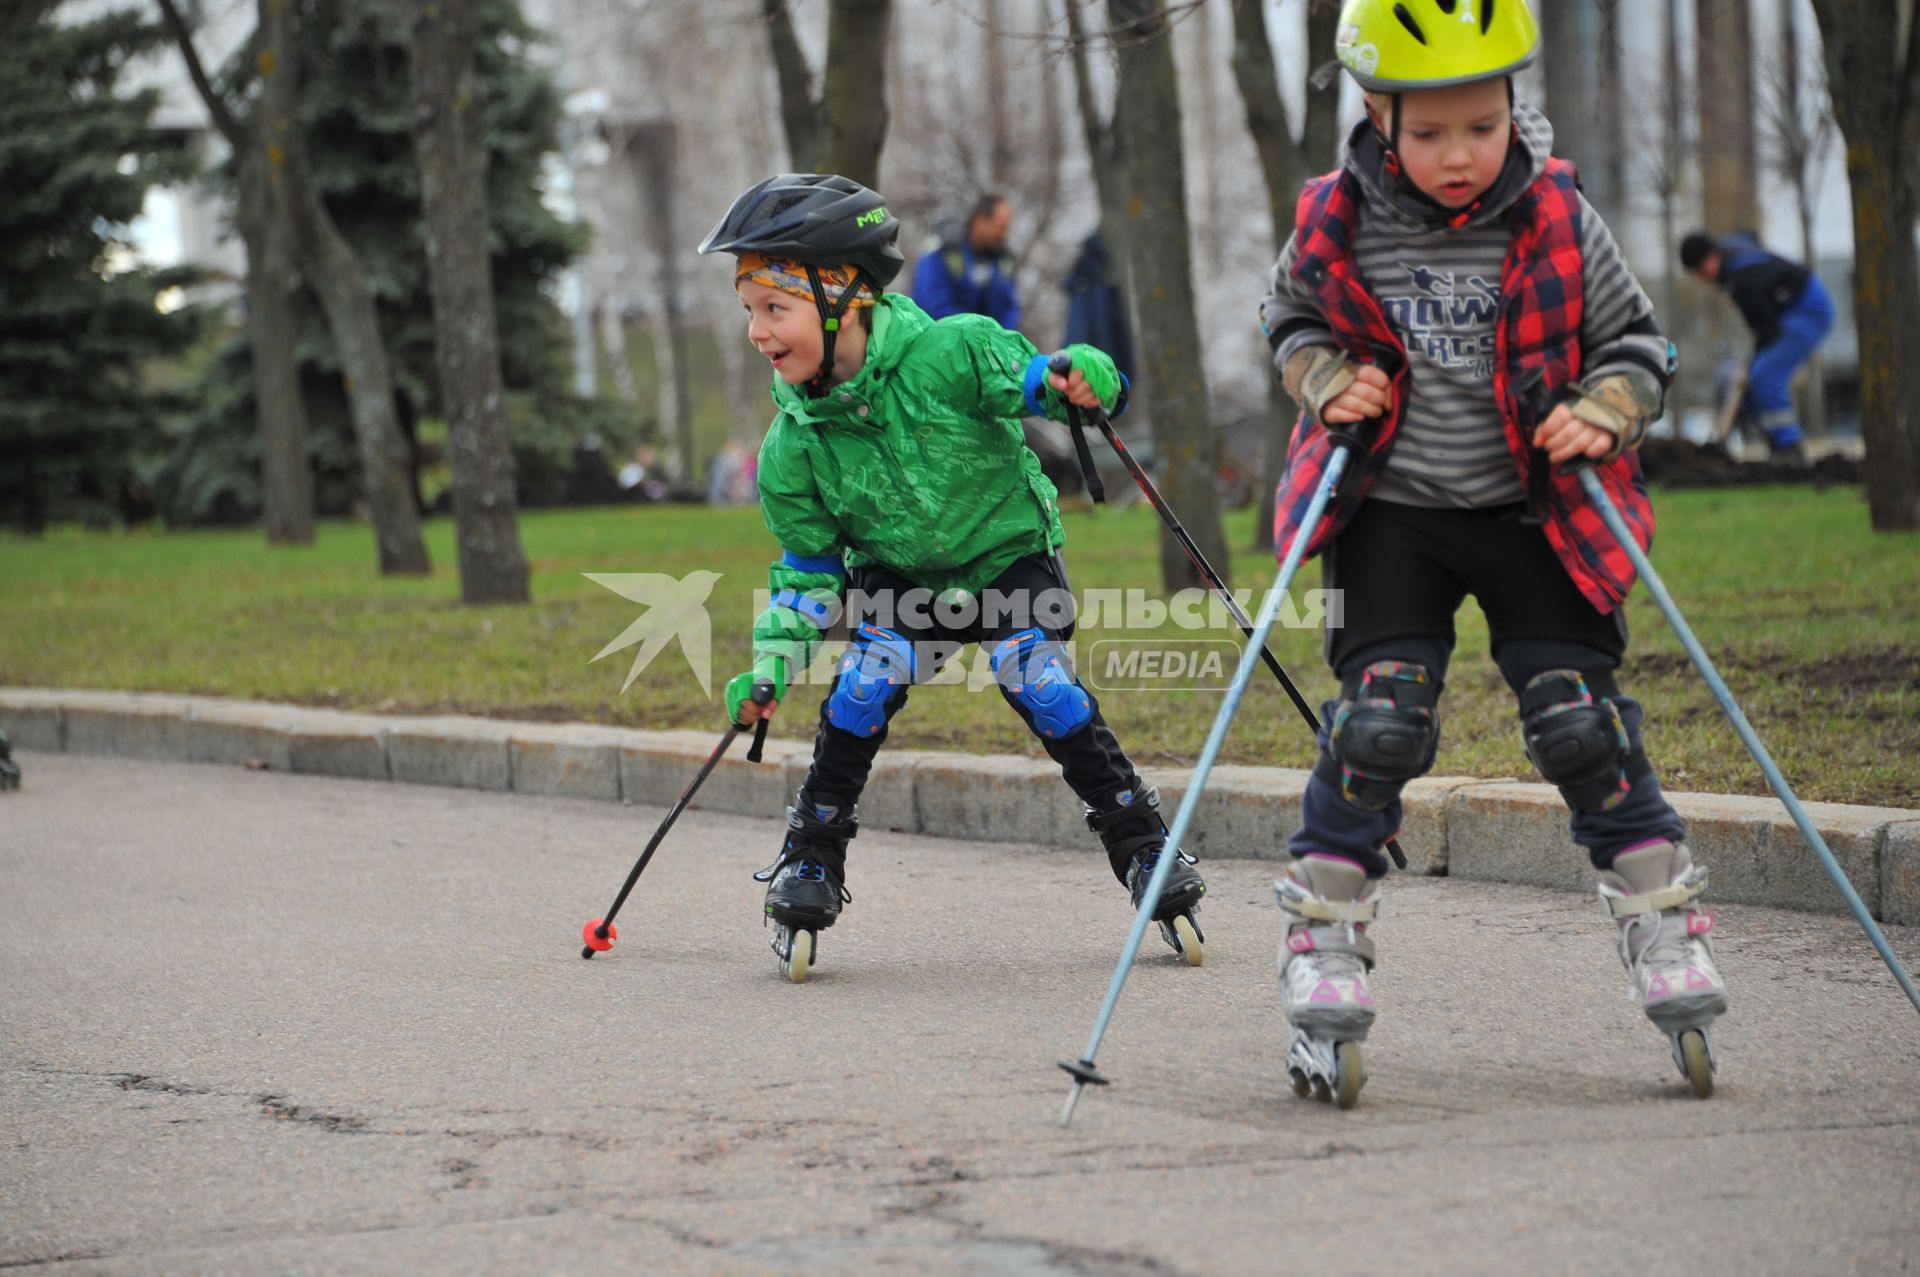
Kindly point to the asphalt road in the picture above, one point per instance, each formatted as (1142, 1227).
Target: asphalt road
(253, 1023)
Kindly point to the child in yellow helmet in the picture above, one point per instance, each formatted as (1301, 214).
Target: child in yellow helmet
(1449, 264)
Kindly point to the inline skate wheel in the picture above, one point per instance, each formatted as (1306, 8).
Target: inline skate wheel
(799, 956)
(1697, 1063)
(1351, 1074)
(1301, 1086)
(1321, 1091)
(1188, 941)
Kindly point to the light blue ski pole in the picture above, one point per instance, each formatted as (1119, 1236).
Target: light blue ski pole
(1597, 494)
(1533, 394)
(1083, 1070)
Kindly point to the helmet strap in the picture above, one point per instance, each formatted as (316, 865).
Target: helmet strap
(831, 314)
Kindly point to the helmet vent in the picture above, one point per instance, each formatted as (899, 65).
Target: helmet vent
(783, 203)
(1406, 20)
(1486, 16)
(1447, 6)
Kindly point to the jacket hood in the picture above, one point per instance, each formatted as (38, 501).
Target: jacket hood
(1402, 205)
(895, 323)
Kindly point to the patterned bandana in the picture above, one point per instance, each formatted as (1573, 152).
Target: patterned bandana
(791, 277)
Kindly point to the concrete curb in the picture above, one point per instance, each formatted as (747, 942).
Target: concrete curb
(1503, 831)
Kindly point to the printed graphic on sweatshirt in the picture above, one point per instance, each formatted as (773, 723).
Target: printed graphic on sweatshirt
(1445, 317)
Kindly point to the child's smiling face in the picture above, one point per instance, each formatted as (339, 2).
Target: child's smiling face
(1453, 141)
(785, 329)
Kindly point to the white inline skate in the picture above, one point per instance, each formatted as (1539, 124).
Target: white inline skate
(1324, 961)
(1653, 893)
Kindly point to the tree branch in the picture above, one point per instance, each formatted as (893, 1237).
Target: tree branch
(223, 117)
(799, 111)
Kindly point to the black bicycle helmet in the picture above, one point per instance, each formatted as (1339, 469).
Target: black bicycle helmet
(816, 219)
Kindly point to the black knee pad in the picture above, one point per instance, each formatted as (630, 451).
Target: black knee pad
(1576, 738)
(1384, 732)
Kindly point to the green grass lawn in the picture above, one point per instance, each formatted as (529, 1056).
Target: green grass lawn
(1813, 620)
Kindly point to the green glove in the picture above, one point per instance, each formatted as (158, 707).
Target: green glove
(740, 686)
(1101, 376)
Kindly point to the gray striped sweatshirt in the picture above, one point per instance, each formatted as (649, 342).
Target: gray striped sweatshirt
(1439, 287)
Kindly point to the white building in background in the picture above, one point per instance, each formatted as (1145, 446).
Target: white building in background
(185, 223)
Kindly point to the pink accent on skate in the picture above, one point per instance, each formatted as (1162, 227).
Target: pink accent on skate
(1362, 997)
(1300, 942)
(1324, 992)
(1640, 846)
(1696, 980)
(1657, 987)
(1698, 924)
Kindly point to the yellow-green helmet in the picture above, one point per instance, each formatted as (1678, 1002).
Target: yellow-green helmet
(1392, 46)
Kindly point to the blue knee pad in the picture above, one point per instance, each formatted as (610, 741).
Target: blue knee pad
(874, 674)
(1032, 669)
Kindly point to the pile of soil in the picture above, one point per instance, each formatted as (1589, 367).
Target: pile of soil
(1676, 463)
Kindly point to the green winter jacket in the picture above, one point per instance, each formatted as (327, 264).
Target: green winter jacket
(917, 463)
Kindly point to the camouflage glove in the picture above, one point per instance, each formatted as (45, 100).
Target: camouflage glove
(740, 686)
(1621, 403)
(1095, 366)
(1316, 376)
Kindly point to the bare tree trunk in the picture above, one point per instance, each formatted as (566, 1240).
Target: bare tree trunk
(1873, 72)
(800, 113)
(1105, 151)
(1286, 166)
(853, 92)
(273, 332)
(333, 269)
(1611, 130)
(999, 130)
(452, 153)
(651, 155)
(1671, 127)
(279, 409)
(1724, 46)
(1567, 49)
(1148, 115)
(843, 128)
(1808, 150)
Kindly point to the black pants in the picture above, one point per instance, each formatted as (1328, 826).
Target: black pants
(1090, 758)
(1403, 572)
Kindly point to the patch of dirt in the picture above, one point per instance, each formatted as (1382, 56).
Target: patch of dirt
(1893, 667)
(1676, 463)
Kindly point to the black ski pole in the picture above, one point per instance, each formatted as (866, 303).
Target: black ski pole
(1061, 364)
(599, 934)
(1532, 390)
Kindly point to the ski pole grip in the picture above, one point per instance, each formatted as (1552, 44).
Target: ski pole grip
(1060, 364)
(1540, 404)
(761, 694)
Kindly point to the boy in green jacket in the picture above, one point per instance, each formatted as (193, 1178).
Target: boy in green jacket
(898, 484)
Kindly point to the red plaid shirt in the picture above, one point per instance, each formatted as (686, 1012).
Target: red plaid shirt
(1538, 326)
